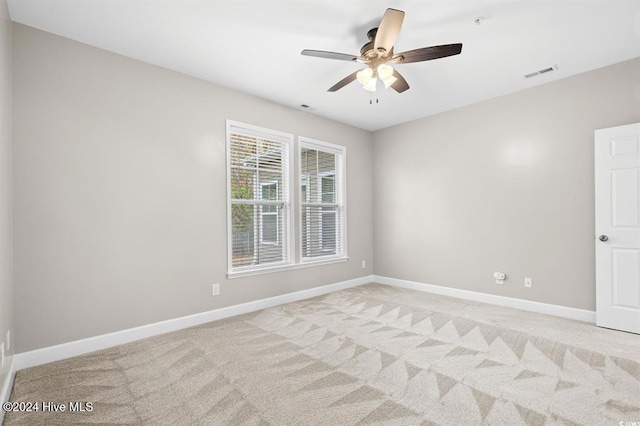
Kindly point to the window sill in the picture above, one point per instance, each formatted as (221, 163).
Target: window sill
(289, 267)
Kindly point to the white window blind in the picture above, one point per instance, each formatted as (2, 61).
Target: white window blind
(322, 209)
(258, 196)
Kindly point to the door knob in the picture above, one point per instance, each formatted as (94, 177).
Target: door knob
(603, 238)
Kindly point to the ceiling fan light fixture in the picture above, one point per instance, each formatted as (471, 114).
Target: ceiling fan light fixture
(385, 71)
(378, 54)
(364, 75)
(371, 84)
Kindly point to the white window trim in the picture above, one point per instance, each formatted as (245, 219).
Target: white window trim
(341, 151)
(238, 273)
(287, 140)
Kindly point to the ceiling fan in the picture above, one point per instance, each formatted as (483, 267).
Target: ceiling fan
(378, 55)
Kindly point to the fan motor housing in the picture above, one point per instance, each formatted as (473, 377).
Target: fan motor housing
(368, 50)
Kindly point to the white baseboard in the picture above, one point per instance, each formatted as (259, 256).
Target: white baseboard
(91, 344)
(5, 389)
(525, 305)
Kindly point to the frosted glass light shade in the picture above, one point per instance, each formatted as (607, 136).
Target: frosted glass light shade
(385, 71)
(364, 75)
(371, 84)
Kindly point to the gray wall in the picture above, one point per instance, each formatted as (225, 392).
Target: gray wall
(502, 185)
(6, 228)
(120, 211)
(119, 182)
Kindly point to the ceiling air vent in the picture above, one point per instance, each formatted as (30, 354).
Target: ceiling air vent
(542, 71)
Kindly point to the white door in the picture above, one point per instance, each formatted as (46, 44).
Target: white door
(617, 170)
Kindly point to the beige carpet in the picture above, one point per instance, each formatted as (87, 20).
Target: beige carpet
(368, 355)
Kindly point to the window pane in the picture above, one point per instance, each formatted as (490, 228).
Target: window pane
(319, 231)
(258, 167)
(321, 203)
(247, 225)
(242, 217)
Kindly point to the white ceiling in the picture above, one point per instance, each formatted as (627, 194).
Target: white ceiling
(254, 46)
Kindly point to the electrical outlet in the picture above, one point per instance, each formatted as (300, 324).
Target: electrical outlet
(500, 277)
(528, 282)
(215, 289)
(8, 339)
(364, 264)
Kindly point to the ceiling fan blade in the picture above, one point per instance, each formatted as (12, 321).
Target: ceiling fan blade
(400, 85)
(329, 55)
(388, 30)
(339, 85)
(429, 53)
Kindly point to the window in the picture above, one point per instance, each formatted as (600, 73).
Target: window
(322, 209)
(258, 201)
(261, 235)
